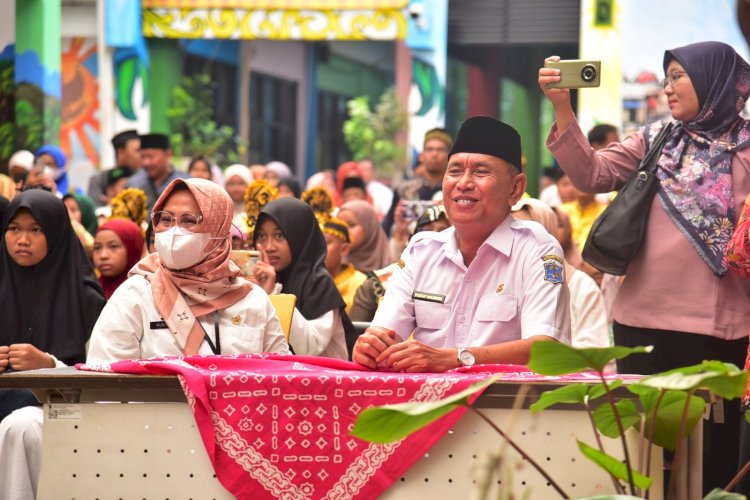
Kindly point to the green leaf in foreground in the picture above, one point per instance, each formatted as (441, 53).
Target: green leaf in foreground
(719, 494)
(668, 418)
(723, 379)
(385, 424)
(604, 417)
(555, 358)
(571, 394)
(614, 466)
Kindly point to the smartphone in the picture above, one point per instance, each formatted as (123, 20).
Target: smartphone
(245, 260)
(576, 73)
(413, 209)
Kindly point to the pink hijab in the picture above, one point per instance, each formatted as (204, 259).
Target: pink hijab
(375, 252)
(214, 284)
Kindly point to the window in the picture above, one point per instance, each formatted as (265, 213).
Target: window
(224, 78)
(330, 148)
(273, 119)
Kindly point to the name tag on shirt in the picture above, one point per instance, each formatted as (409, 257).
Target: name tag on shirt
(158, 325)
(429, 297)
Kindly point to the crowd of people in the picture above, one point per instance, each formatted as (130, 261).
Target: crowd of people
(454, 267)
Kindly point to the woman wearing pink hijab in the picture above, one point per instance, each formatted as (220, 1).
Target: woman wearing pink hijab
(187, 298)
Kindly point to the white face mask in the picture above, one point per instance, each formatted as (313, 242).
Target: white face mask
(180, 249)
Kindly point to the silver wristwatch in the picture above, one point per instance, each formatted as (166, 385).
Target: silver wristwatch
(465, 357)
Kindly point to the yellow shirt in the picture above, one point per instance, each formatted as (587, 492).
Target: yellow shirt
(347, 281)
(581, 219)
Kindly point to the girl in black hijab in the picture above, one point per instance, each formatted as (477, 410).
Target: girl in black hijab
(293, 252)
(52, 301)
(49, 302)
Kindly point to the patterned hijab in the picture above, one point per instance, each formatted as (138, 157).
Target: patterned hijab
(132, 239)
(212, 285)
(374, 253)
(695, 167)
(130, 204)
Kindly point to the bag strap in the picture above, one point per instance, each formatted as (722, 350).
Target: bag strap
(653, 150)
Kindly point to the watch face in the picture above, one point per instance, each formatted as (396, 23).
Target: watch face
(466, 358)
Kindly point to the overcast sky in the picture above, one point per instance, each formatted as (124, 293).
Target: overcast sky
(649, 27)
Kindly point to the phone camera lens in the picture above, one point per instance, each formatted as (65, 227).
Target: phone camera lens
(588, 73)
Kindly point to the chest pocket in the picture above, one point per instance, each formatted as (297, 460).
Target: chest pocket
(496, 308)
(431, 315)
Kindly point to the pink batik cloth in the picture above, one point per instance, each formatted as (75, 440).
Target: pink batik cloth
(279, 426)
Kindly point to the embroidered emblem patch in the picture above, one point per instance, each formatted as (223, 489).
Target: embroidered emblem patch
(552, 257)
(553, 272)
(500, 288)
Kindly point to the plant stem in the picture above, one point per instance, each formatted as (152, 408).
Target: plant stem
(641, 447)
(615, 482)
(680, 446)
(611, 399)
(662, 393)
(736, 479)
(520, 451)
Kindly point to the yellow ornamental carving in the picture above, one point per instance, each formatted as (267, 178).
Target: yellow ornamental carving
(386, 24)
(225, 24)
(278, 4)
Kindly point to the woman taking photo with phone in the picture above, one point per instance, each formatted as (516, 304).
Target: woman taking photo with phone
(677, 295)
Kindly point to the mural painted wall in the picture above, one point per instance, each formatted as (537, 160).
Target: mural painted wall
(79, 121)
(129, 65)
(7, 102)
(38, 90)
(427, 37)
(7, 80)
(131, 90)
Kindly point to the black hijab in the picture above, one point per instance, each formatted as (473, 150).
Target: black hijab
(293, 185)
(307, 276)
(54, 304)
(3, 207)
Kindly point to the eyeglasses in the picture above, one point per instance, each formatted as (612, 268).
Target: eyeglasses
(164, 220)
(671, 79)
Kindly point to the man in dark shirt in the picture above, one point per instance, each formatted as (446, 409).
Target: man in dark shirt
(157, 171)
(127, 146)
(437, 143)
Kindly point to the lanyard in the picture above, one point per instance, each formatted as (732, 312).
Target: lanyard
(216, 348)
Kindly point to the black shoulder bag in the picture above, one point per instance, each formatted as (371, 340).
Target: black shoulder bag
(616, 235)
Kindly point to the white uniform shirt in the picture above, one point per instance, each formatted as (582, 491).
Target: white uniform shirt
(513, 289)
(588, 316)
(321, 336)
(130, 327)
